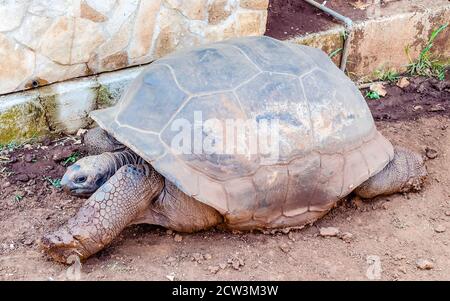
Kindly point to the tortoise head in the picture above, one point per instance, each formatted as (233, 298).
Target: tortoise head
(86, 175)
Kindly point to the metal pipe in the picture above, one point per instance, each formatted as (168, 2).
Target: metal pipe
(348, 29)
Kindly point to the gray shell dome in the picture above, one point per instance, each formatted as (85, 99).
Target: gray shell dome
(327, 146)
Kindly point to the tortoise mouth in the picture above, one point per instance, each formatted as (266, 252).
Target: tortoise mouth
(80, 192)
(83, 190)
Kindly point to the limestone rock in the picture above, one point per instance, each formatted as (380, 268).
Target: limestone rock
(251, 23)
(18, 66)
(143, 29)
(173, 34)
(32, 30)
(194, 10)
(88, 12)
(11, 14)
(49, 8)
(220, 10)
(254, 4)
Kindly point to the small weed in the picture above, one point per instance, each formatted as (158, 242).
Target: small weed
(18, 197)
(425, 65)
(387, 75)
(55, 182)
(373, 95)
(334, 53)
(10, 146)
(72, 158)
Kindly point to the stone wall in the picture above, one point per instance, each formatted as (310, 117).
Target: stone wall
(47, 41)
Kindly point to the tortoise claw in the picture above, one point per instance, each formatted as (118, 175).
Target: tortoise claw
(61, 245)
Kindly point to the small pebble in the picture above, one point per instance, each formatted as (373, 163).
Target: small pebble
(424, 264)
(291, 236)
(346, 236)
(403, 270)
(328, 231)
(399, 256)
(236, 263)
(213, 269)
(447, 213)
(440, 229)
(197, 257)
(29, 158)
(22, 177)
(284, 247)
(431, 153)
(178, 238)
(28, 242)
(7, 184)
(437, 108)
(171, 259)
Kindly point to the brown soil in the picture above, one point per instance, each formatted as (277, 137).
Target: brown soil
(423, 97)
(290, 18)
(399, 229)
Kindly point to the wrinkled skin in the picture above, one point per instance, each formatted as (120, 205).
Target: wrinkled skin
(105, 214)
(87, 175)
(406, 172)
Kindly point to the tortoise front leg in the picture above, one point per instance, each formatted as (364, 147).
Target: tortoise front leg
(123, 198)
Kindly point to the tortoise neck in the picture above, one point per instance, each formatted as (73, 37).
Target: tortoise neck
(119, 159)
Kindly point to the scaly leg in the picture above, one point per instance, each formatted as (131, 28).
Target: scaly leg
(123, 198)
(404, 173)
(126, 198)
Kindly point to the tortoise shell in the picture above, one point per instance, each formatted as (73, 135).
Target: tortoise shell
(327, 142)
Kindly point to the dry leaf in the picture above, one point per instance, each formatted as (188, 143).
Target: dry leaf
(379, 88)
(359, 4)
(403, 83)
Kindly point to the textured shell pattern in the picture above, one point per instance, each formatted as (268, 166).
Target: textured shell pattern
(328, 143)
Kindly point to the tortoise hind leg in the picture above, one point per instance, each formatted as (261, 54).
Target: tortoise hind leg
(177, 211)
(404, 173)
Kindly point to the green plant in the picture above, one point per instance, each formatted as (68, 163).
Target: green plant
(55, 182)
(425, 64)
(72, 158)
(372, 95)
(10, 146)
(387, 75)
(18, 197)
(334, 53)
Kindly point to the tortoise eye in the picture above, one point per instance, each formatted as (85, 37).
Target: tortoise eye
(80, 179)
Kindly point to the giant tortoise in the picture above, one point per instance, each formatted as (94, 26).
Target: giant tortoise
(327, 147)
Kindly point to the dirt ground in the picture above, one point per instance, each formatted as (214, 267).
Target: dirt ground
(396, 233)
(290, 18)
